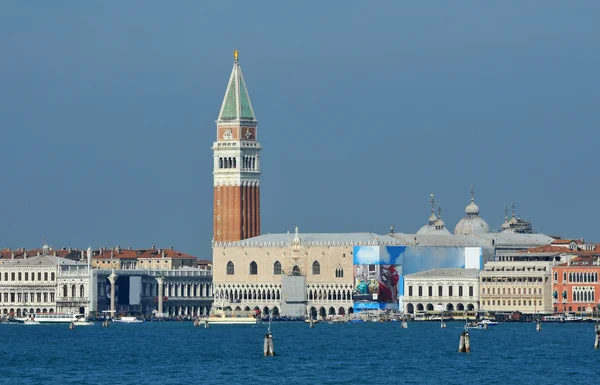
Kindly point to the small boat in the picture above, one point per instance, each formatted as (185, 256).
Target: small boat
(315, 321)
(488, 322)
(476, 326)
(82, 321)
(30, 321)
(553, 318)
(572, 318)
(128, 320)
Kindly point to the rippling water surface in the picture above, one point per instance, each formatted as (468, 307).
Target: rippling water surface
(376, 353)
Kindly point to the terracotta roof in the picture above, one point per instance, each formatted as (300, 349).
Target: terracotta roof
(562, 250)
(122, 254)
(20, 253)
(137, 254)
(168, 254)
(566, 241)
(581, 260)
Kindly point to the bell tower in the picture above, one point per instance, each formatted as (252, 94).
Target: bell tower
(236, 169)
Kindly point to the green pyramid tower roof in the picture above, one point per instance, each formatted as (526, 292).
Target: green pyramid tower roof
(236, 104)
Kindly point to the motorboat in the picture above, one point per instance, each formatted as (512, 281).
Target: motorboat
(553, 318)
(128, 320)
(476, 325)
(30, 321)
(572, 318)
(487, 322)
(80, 320)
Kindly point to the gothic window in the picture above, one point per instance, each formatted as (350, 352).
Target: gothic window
(253, 268)
(230, 268)
(220, 162)
(570, 277)
(81, 291)
(73, 291)
(234, 162)
(316, 268)
(296, 270)
(65, 291)
(277, 268)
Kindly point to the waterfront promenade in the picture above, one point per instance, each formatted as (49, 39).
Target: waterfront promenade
(176, 352)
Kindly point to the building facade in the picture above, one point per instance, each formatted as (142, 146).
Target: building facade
(236, 164)
(511, 286)
(575, 285)
(29, 285)
(448, 290)
(248, 274)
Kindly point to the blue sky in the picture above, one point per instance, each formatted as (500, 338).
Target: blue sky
(107, 111)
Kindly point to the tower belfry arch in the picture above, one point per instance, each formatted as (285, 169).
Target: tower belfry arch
(236, 169)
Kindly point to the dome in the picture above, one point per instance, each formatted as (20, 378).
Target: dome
(472, 208)
(430, 227)
(472, 223)
(436, 226)
(505, 225)
(425, 230)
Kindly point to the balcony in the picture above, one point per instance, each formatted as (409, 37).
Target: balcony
(72, 299)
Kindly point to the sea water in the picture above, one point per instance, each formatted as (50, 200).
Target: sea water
(361, 353)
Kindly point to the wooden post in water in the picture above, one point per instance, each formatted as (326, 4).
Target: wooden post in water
(312, 322)
(538, 326)
(404, 324)
(71, 326)
(269, 349)
(206, 324)
(597, 342)
(467, 342)
(461, 344)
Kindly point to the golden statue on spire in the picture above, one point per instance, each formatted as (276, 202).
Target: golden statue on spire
(235, 55)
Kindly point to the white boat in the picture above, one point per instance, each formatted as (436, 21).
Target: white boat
(220, 315)
(572, 318)
(487, 322)
(31, 321)
(128, 320)
(81, 321)
(553, 318)
(52, 318)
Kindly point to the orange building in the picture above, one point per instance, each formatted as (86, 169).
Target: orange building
(575, 286)
(236, 164)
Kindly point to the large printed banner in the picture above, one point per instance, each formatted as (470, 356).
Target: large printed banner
(379, 270)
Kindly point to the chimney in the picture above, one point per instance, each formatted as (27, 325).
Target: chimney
(54, 253)
(37, 255)
(118, 249)
(112, 254)
(163, 254)
(12, 255)
(129, 247)
(153, 247)
(171, 248)
(25, 255)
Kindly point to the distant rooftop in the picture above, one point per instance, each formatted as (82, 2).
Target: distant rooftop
(446, 272)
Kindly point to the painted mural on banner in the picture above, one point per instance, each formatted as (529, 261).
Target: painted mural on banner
(379, 270)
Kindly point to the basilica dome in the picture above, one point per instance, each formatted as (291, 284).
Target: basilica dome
(436, 224)
(472, 223)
